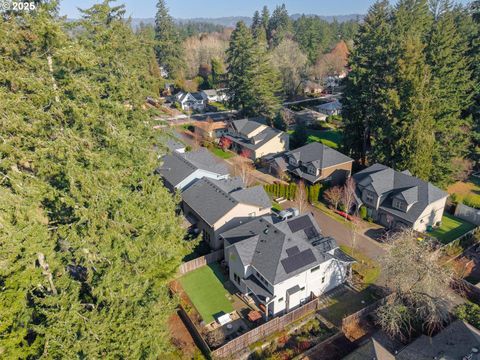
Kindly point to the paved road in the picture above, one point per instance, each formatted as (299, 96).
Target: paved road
(343, 234)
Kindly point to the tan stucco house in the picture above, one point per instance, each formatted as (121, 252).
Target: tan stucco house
(255, 138)
(215, 206)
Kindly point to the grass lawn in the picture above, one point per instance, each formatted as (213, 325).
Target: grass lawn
(276, 206)
(222, 154)
(346, 304)
(330, 138)
(204, 287)
(366, 267)
(330, 213)
(220, 106)
(451, 229)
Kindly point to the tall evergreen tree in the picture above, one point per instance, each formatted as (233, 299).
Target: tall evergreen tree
(279, 25)
(252, 82)
(408, 90)
(367, 86)
(474, 54)
(89, 236)
(168, 47)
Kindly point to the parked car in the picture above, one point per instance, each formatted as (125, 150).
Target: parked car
(288, 213)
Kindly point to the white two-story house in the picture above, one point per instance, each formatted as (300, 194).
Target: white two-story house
(282, 264)
(192, 101)
(397, 199)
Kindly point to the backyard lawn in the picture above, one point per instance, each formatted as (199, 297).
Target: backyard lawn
(222, 154)
(204, 287)
(330, 138)
(451, 228)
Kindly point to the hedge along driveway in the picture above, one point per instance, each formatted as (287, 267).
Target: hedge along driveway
(204, 287)
(451, 229)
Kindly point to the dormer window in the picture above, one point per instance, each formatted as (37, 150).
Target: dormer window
(399, 204)
(369, 197)
(292, 161)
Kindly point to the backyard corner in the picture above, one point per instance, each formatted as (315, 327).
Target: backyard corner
(330, 138)
(451, 228)
(467, 192)
(221, 153)
(206, 291)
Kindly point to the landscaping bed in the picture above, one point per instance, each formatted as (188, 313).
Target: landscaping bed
(290, 343)
(451, 229)
(206, 292)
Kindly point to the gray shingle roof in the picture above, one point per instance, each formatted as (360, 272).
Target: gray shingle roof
(279, 250)
(457, 341)
(388, 183)
(212, 199)
(319, 155)
(177, 167)
(246, 126)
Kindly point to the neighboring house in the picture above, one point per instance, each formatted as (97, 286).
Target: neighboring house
(256, 138)
(457, 341)
(313, 162)
(281, 264)
(177, 146)
(397, 199)
(210, 130)
(180, 170)
(191, 101)
(215, 206)
(331, 108)
(213, 95)
(312, 88)
(308, 117)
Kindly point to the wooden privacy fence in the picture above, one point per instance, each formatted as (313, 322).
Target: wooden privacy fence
(355, 317)
(262, 331)
(194, 264)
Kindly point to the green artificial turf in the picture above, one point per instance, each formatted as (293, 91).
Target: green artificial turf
(451, 228)
(204, 287)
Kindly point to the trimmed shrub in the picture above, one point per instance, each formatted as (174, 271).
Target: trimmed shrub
(472, 201)
(363, 212)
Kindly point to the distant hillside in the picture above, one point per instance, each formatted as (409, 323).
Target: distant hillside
(230, 21)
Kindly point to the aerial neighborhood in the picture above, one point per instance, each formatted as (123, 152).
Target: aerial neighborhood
(308, 223)
(240, 181)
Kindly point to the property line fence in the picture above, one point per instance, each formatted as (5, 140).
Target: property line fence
(194, 331)
(468, 213)
(276, 324)
(194, 264)
(355, 317)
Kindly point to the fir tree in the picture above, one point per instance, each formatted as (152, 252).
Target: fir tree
(252, 82)
(168, 48)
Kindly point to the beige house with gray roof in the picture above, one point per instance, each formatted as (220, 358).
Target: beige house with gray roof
(215, 206)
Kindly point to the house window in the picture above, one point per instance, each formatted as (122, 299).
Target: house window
(252, 214)
(369, 198)
(398, 204)
(280, 300)
(302, 288)
(323, 279)
(236, 278)
(315, 268)
(206, 236)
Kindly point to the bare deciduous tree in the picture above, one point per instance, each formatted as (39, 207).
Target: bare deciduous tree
(201, 49)
(333, 196)
(421, 297)
(301, 197)
(243, 168)
(348, 194)
(290, 62)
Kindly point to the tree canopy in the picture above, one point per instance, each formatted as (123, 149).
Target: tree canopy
(89, 236)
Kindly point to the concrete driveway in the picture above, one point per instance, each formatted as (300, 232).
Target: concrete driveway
(343, 233)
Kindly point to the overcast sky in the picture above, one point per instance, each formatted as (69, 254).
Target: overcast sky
(221, 8)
